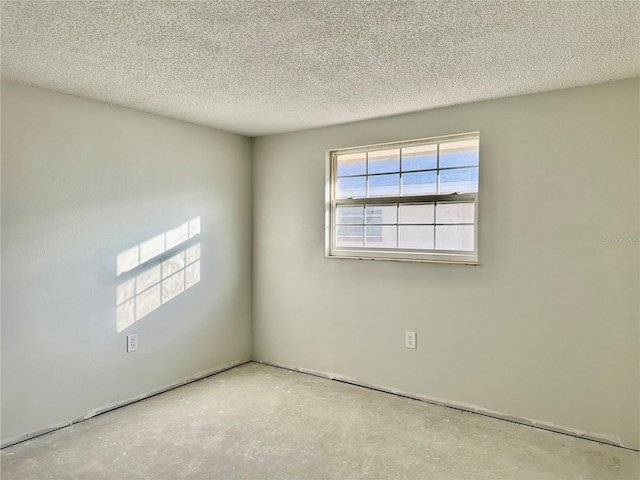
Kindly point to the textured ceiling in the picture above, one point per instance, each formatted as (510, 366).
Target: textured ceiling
(258, 67)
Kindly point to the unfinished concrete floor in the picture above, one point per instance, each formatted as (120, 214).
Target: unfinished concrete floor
(260, 422)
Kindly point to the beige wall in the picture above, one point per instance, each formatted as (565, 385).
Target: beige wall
(81, 182)
(546, 327)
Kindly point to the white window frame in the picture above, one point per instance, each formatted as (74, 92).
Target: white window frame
(398, 254)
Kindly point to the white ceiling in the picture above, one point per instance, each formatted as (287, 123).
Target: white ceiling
(263, 67)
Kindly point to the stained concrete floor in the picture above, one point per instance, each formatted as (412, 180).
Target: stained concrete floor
(260, 422)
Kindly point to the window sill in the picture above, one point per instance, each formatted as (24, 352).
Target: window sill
(470, 260)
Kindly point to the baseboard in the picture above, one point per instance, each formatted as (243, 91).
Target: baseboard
(528, 422)
(548, 426)
(98, 411)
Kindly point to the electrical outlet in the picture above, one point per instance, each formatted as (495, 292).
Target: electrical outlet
(411, 340)
(132, 342)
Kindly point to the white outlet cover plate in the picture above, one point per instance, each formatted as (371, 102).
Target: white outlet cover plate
(132, 342)
(411, 339)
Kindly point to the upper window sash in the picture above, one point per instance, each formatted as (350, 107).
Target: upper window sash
(441, 165)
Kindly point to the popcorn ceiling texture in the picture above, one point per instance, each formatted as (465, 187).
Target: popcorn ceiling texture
(258, 68)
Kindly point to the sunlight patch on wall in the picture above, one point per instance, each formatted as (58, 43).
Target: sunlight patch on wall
(160, 282)
(149, 249)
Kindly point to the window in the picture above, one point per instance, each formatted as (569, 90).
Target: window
(414, 200)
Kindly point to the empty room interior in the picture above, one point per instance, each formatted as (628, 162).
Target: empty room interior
(320, 240)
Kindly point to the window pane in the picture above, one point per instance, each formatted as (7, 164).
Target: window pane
(454, 237)
(151, 248)
(381, 236)
(382, 214)
(459, 154)
(449, 212)
(172, 286)
(424, 157)
(175, 263)
(416, 213)
(384, 161)
(420, 182)
(352, 164)
(415, 236)
(384, 185)
(147, 302)
(350, 214)
(459, 180)
(148, 278)
(351, 187)
(349, 236)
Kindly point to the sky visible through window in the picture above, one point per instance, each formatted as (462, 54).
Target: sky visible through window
(421, 171)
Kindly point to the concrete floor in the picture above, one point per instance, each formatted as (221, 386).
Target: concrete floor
(261, 422)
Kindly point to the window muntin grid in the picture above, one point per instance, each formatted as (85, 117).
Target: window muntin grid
(440, 175)
(432, 168)
(398, 225)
